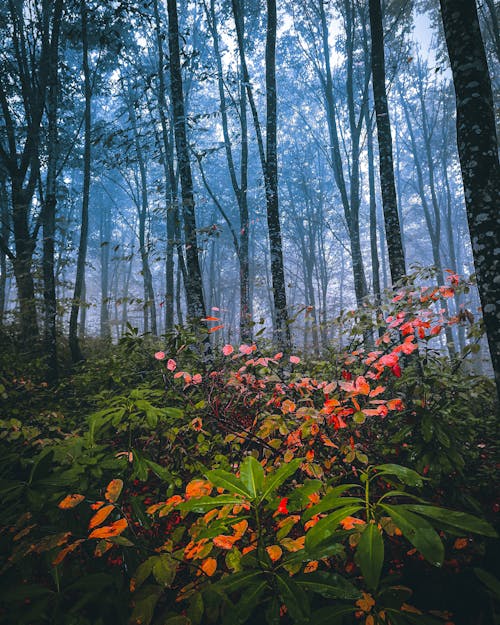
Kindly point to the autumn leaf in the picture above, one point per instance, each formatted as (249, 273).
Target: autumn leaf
(101, 548)
(113, 490)
(215, 328)
(225, 542)
(198, 488)
(70, 501)
(209, 566)
(101, 515)
(64, 552)
(460, 543)
(366, 602)
(350, 522)
(115, 529)
(211, 319)
(275, 552)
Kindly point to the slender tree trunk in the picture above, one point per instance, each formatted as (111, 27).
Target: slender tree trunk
(282, 330)
(194, 284)
(170, 181)
(49, 208)
(387, 184)
(478, 152)
(74, 343)
(105, 227)
(4, 238)
(373, 210)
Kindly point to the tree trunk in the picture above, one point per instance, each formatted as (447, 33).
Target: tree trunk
(387, 184)
(105, 227)
(4, 246)
(74, 343)
(194, 284)
(478, 152)
(49, 208)
(282, 330)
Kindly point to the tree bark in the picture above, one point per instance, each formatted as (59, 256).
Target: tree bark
(478, 152)
(74, 343)
(193, 284)
(387, 184)
(49, 208)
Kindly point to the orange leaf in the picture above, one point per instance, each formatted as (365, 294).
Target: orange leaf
(64, 552)
(101, 515)
(349, 522)
(275, 552)
(113, 490)
(460, 543)
(215, 328)
(225, 542)
(211, 319)
(310, 567)
(70, 501)
(198, 488)
(288, 406)
(240, 528)
(108, 531)
(209, 566)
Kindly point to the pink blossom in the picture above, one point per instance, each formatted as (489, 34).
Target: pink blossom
(227, 350)
(160, 356)
(171, 365)
(294, 360)
(197, 378)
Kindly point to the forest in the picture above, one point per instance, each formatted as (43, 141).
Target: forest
(249, 312)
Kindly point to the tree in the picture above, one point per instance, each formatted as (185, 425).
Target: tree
(269, 162)
(478, 152)
(74, 343)
(193, 282)
(387, 184)
(32, 35)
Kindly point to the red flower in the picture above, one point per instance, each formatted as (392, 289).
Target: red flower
(282, 509)
(347, 375)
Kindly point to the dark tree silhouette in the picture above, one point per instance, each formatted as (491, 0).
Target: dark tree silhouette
(387, 184)
(478, 152)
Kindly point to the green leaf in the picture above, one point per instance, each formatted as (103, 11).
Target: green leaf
(407, 476)
(238, 580)
(249, 601)
(370, 555)
(329, 585)
(275, 479)
(204, 504)
(418, 531)
(460, 520)
(164, 569)
(252, 476)
(489, 580)
(331, 615)
(325, 527)
(228, 481)
(175, 413)
(145, 604)
(332, 500)
(294, 598)
(143, 571)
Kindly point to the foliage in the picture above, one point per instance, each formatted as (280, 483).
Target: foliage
(252, 485)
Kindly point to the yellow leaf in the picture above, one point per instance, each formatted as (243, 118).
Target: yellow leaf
(113, 490)
(292, 545)
(70, 501)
